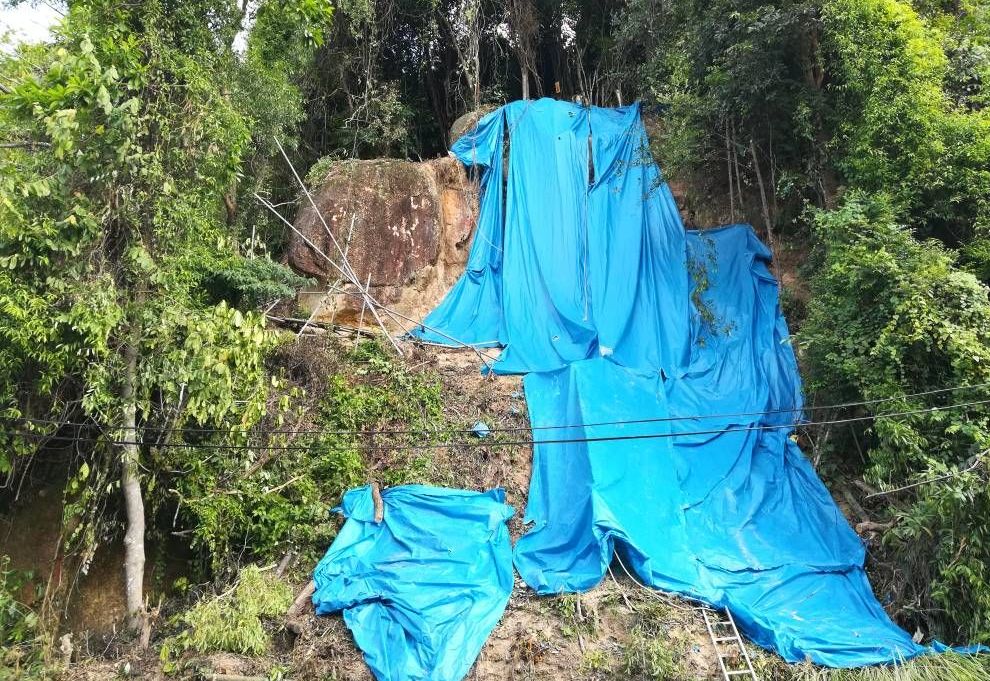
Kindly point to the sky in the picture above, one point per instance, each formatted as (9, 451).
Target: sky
(26, 22)
(32, 21)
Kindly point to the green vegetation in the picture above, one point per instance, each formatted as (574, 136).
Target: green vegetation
(137, 368)
(650, 652)
(117, 204)
(930, 668)
(233, 621)
(21, 655)
(277, 501)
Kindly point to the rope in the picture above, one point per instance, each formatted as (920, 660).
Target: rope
(510, 443)
(513, 429)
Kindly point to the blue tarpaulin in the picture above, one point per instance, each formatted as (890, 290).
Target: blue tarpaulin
(724, 509)
(422, 589)
(540, 283)
(662, 389)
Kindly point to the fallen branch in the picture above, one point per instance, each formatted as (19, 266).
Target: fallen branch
(376, 496)
(232, 677)
(293, 323)
(853, 504)
(293, 617)
(871, 526)
(287, 560)
(27, 144)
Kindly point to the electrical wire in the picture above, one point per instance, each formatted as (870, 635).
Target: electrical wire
(509, 443)
(512, 429)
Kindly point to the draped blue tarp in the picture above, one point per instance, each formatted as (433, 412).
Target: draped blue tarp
(421, 590)
(538, 281)
(662, 390)
(706, 494)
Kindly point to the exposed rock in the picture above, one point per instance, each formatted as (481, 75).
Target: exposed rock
(407, 225)
(468, 121)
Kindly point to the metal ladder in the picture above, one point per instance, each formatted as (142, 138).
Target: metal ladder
(733, 659)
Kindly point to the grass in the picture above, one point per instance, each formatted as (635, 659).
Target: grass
(943, 667)
(650, 652)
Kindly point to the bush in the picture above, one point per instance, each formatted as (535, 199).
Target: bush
(274, 500)
(21, 642)
(889, 317)
(233, 621)
(248, 283)
(650, 653)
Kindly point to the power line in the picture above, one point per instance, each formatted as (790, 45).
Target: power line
(509, 443)
(421, 431)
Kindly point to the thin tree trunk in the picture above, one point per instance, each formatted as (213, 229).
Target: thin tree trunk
(477, 76)
(766, 213)
(766, 207)
(133, 499)
(728, 168)
(735, 164)
(525, 83)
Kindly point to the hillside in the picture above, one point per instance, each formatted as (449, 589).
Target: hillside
(219, 222)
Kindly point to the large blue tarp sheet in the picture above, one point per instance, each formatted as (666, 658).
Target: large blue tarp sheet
(724, 509)
(662, 389)
(422, 589)
(540, 283)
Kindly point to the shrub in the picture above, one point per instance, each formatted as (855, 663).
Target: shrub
(21, 641)
(233, 621)
(650, 653)
(892, 316)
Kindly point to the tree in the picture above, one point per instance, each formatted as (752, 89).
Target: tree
(112, 220)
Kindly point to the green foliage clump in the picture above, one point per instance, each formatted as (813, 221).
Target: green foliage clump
(896, 129)
(21, 640)
(232, 622)
(273, 507)
(892, 317)
(650, 653)
(274, 501)
(388, 396)
(248, 283)
(596, 662)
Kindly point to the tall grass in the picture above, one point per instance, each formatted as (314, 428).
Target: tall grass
(943, 667)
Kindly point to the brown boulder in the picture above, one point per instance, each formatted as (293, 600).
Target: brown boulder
(406, 224)
(467, 121)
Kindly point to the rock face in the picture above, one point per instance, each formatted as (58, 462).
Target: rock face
(407, 225)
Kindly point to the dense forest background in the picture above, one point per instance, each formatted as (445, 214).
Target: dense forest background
(137, 373)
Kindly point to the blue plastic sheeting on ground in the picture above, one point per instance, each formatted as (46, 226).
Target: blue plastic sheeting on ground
(551, 290)
(723, 509)
(421, 590)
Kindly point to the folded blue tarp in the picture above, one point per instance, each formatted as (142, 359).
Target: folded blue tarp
(422, 589)
(662, 361)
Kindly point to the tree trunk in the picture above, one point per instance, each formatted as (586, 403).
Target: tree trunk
(525, 83)
(130, 482)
